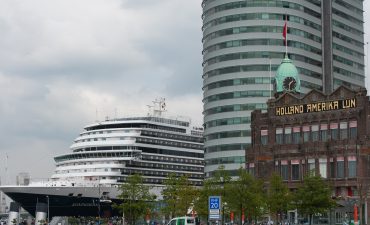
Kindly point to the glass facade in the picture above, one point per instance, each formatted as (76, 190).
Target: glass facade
(242, 43)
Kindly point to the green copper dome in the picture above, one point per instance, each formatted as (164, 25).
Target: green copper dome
(287, 78)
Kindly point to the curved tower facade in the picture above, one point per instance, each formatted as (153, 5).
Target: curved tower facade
(243, 43)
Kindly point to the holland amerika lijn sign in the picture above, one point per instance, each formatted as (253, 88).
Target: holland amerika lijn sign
(315, 107)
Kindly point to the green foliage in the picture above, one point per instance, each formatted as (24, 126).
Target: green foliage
(14, 221)
(215, 186)
(137, 200)
(246, 193)
(178, 195)
(313, 196)
(278, 196)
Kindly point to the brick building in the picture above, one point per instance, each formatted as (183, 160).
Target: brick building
(328, 134)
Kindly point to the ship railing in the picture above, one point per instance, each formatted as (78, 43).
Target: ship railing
(65, 183)
(157, 119)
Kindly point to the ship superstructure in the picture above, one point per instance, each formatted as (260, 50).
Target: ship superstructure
(107, 152)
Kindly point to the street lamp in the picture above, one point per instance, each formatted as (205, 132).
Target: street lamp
(47, 196)
(223, 200)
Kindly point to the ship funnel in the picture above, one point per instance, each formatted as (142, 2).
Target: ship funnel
(13, 214)
(41, 213)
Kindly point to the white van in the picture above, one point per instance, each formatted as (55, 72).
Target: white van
(184, 220)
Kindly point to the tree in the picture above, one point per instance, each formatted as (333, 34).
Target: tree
(178, 195)
(214, 186)
(137, 200)
(278, 196)
(187, 194)
(201, 202)
(247, 195)
(313, 196)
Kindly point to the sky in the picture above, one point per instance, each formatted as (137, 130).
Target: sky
(65, 64)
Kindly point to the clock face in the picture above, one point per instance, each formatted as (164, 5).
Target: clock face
(289, 83)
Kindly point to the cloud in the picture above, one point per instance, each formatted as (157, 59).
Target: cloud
(64, 64)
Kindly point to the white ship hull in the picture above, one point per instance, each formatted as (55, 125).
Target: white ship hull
(106, 153)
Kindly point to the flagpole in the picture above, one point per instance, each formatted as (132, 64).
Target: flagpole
(270, 78)
(286, 46)
(286, 35)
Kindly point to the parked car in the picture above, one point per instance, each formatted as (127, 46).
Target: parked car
(184, 220)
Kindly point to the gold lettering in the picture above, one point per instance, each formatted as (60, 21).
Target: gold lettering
(346, 104)
(277, 111)
(296, 109)
(314, 107)
(308, 108)
(323, 104)
(330, 105)
(336, 105)
(319, 106)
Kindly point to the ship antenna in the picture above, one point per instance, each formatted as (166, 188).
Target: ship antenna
(159, 107)
(6, 168)
(149, 109)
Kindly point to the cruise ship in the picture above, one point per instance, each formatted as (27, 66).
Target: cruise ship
(86, 180)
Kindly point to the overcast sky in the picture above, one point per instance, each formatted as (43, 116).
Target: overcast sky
(64, 64)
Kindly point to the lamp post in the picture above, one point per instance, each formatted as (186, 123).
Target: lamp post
(223, 200)
(47, 196)
(99, 202)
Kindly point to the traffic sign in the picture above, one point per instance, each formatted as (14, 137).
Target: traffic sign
(214, 206)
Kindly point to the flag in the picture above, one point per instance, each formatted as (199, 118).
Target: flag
(355, 215)
(285, 31)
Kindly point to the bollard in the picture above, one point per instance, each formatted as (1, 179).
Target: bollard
(41, 213)
(13, 214)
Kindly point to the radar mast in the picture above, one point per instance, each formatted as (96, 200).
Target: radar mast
(158, 107)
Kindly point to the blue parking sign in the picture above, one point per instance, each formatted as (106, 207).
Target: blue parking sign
(214, 202)
(214, 206)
